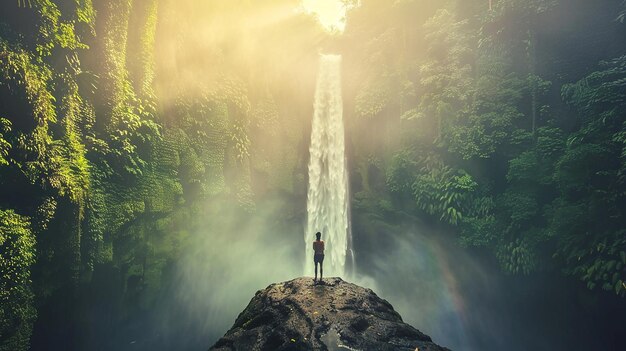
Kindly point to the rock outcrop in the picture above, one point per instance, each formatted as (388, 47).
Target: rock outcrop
(336, 315)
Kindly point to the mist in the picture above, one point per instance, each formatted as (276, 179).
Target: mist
(155, 166)
(456, 297)
(456, 294)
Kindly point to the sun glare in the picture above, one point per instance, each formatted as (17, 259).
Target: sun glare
(330, 13)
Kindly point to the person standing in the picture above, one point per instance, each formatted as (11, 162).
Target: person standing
(318, 257)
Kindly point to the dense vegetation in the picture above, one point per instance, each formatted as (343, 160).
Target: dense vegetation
(109, 142)
(485, 120)
(126, 124)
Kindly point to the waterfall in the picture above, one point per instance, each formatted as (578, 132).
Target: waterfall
(327, 198)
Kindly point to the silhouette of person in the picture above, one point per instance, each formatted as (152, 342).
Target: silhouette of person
(318, 257)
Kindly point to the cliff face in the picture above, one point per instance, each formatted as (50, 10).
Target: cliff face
(297, 315)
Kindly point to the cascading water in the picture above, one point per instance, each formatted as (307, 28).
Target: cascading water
(327, 198)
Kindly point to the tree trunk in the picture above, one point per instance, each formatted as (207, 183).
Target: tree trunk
(112, 27)
(141, 37)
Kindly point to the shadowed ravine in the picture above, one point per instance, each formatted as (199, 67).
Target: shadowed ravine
(162, 160)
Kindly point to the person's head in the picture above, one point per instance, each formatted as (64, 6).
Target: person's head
(318, 235)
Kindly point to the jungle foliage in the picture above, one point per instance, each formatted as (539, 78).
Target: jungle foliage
(127, 125)
(111, 146)
(481, 126)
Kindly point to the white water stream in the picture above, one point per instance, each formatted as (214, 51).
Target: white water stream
(327, 198)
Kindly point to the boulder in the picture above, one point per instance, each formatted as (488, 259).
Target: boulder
(335, 315)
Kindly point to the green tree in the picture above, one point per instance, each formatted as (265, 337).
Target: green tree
(588, 217)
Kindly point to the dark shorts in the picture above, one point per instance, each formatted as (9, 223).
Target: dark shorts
(318, 258)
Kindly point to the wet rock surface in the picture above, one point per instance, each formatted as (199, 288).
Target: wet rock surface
(336, 315)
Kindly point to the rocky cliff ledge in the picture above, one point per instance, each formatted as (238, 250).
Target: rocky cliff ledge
(297, 315)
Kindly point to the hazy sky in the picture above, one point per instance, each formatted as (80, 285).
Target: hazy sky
(331, 13)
